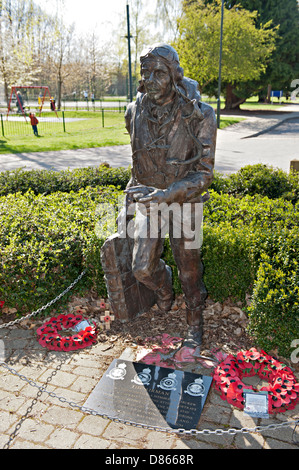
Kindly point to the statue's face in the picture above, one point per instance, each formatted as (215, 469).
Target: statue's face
(157, 81)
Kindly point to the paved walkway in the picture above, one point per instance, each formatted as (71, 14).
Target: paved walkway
(269, 139)
(248, 142)
(52, 423)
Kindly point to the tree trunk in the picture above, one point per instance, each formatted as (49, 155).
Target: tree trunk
(268, 100)
(231, 100)
(6, 92)
(59, 89)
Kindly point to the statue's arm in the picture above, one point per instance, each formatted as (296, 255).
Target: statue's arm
(200, 176)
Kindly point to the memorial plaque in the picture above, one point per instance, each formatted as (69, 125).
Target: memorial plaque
(150, 395)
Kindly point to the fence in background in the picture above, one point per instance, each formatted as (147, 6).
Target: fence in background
(72, 105)
(15, 124)
(95, 106)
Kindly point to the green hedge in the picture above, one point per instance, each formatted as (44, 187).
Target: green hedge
(259, 179)
(274, 312)
(46, 241)
(50, 181)
(249, 181)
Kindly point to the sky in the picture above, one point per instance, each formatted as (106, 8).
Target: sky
(89, 15)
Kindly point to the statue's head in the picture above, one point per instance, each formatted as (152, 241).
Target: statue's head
(160, 72)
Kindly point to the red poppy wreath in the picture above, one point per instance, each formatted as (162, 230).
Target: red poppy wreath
(283, 388)
(49, 336)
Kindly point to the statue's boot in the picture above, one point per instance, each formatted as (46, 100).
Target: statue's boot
(195, 327)
(165, 293)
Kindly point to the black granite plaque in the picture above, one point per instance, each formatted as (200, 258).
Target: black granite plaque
(150, 395)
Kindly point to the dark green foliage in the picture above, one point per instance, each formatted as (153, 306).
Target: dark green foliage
(259, 179)
(46, 241)
(274, 311)
(284, 65)
(236, 233)
(47, 182)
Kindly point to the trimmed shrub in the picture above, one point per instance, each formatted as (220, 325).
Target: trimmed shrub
(274, 311)
(236, 233)
(259, 179)
(46, 241)
(48, 181)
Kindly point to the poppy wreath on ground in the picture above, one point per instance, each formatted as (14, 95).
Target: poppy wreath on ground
(283, 388)
(49, 336)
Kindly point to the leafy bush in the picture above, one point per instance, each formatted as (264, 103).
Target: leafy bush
(259, 179)
(228, 265)
(255, 211)
(274, 311)
(250, 180)
(48, 181)
(236, 233)
(46, 241)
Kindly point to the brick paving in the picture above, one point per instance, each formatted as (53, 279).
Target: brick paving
(53, 424)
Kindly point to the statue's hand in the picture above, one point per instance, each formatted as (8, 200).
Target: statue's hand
(157, 196)
(148, 194)
(135, 193)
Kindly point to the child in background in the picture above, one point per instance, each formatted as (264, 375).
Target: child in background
(34, 122)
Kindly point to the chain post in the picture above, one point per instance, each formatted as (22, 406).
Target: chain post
(2, 125)
(63, 121)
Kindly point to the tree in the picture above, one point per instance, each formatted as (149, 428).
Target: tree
(283, 65)
(246, 48)
(168, 15)
(18, 65)
(60, 54)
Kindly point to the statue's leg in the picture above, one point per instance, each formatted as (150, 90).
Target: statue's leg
(190, 271)
(147, 265)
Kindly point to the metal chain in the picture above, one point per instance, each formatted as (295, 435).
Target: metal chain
(29, 409)
(180, 431)
(44, 307)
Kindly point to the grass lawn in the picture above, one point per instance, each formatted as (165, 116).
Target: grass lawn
(86, 133)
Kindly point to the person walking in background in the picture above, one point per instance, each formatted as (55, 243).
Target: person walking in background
(34, 123)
